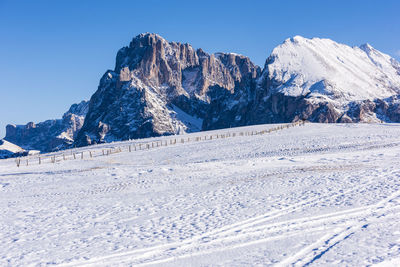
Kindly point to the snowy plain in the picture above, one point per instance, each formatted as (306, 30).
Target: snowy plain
(319, 195)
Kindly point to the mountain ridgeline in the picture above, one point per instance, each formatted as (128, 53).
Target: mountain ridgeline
(50, 135)
(164, 88)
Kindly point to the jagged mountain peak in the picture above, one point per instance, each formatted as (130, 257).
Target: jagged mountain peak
(145, 40)
(78, 109)
(145, 35)
(161, 63)
(156, 83)
(49, 135)
(366, 47)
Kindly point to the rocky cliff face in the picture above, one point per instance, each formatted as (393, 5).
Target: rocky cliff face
(162, 88)
(49, 135)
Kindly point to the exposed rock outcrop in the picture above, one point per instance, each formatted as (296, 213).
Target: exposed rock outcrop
(49, 135)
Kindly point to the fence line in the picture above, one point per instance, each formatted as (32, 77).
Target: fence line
(155, 144)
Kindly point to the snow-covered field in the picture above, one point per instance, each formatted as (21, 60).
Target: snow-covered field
(319, 194)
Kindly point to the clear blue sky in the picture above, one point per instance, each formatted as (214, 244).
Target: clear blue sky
(53, 53)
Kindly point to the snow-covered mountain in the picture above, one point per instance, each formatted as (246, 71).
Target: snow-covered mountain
(49, 135)
(321, 80)
(162, 88)
(322, 67)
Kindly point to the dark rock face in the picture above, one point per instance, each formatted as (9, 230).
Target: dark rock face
(163, 88)
(49, 135)
(385, 110)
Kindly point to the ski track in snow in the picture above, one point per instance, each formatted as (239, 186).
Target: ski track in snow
(322, 195)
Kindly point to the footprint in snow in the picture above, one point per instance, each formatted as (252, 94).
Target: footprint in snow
(2, 185)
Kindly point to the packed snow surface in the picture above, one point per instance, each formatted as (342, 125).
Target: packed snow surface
(5, 145)
(323, 67)
(319, 194)
(7, 149)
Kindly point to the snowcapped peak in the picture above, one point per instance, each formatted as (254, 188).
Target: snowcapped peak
(295, 39)
(300, 65)
(298, 40)
(368, 48)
